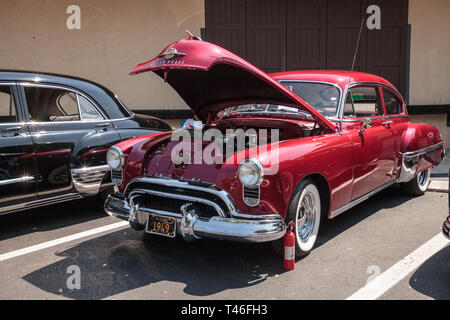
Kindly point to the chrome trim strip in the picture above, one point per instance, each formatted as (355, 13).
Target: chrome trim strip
(39, 203)
(88, 180)
(178, 197)
(16, 180)
(173, 183)
(374, 118)
(422, 151)
(355, 202)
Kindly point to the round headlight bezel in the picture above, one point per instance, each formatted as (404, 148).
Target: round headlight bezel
(252, 162)
(120, 158)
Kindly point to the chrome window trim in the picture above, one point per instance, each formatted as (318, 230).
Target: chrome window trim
(68, 88)
(320, 82)
(9, 83)
(364, 83)
(81, 114)
(13, 123)
(359, 119)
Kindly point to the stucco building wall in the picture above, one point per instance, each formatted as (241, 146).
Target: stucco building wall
(115, 35)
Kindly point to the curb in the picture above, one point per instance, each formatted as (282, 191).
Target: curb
(438, 186)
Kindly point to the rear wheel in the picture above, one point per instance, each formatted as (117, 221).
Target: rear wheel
(305, 211)
(418, 185)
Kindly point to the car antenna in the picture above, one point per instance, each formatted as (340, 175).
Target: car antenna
(353, 64)
(356, 51)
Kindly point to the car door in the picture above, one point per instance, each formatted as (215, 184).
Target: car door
(63, 140)
(373, 145)
(17, 171)
(396, 120)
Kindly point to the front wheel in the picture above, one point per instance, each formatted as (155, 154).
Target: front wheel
(418, 185)
(305, 211)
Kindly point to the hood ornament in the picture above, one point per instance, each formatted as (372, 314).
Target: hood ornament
(172, 53)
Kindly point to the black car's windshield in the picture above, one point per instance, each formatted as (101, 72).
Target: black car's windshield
(323, 97)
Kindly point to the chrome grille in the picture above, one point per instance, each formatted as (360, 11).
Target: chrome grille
(117, 177)
(251, 196)
(204, 195)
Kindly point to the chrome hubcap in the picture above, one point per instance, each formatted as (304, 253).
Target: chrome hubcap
(306, 216)
(422, 179)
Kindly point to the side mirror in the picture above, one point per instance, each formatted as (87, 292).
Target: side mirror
(366, 124)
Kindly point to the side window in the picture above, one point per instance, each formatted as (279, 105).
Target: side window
(393, 105)
(67, 104)
(51, 104)
(54, 104)
(88, 111)
(362, 102)
(7, 105)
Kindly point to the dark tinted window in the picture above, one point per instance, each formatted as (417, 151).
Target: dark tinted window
(51, 104)
(7, 106)
(393, 105)
(362, 102)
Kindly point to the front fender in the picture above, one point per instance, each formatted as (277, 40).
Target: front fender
(329, 157)
(135, 151)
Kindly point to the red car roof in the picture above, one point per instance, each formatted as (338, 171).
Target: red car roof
(341, 78)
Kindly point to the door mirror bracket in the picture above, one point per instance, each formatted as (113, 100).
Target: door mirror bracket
(366, 124)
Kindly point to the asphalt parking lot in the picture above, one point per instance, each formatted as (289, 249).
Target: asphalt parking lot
(120, 263)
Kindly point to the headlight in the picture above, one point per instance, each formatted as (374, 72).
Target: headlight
(115, 158)
(250, 172)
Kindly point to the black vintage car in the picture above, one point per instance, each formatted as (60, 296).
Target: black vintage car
(54, 134)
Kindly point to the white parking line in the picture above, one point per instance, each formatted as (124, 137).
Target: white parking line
(375, 288)
(52, 243)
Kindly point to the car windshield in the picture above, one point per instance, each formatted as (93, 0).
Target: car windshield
(323, 97)
(269, 108)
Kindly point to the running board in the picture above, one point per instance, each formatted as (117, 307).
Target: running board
(39, 203)
(355, 202)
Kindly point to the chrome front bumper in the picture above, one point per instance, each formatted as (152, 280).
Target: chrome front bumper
(245, 228)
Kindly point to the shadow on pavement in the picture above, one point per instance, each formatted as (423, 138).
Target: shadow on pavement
(125, 260)
(389, 198)
(50, 217)
(433, 277)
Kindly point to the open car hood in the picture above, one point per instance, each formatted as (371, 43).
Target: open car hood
(210, 78)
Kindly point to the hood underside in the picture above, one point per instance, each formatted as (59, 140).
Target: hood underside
(210, 78)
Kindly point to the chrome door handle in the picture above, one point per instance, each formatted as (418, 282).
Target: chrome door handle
(102, 125)
(12, 129)
(387, 123)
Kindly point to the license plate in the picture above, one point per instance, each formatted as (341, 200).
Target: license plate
(163, 226)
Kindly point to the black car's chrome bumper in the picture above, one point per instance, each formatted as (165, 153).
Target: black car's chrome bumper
(190, 226)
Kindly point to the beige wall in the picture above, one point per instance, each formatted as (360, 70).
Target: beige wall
(115, 35)
(430, 52)
(437, 120)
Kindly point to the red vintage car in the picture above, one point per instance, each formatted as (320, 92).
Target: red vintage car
(342, 137)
